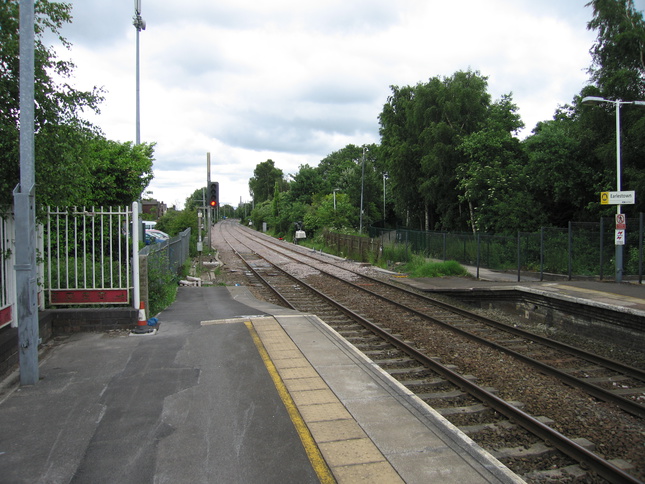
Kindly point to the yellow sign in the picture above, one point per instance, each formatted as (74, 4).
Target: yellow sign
(604, 198)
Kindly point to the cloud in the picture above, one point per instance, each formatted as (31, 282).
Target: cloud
(294, 81)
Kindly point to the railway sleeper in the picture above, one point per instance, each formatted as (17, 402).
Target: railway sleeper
(470, 409)
(513, 343)
(371, 345)
(608, 379)
(443, 397)
(362, 340)
(571, 472)
(499, 426)
(392, 363)
(590, 370)
(409, 373)
(568, 473)
(450, 395)
(383, 353)
(555, 362)
(431, 383)
(628, 391)
(537, 450)
(467, 414)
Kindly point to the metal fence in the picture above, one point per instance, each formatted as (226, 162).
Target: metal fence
(171, 254)
(87, 255)
(353, 246)
(581, 249)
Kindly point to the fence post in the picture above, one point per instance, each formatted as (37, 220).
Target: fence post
(640, 248)
(570, 248)
(135, 256)
(444, 246)
(519, 256)
(478, 251)
(602, 246)
(541, 253)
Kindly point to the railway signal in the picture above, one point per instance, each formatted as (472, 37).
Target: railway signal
(213, 194)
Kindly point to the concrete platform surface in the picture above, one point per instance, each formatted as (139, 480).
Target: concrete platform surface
(229, 390)
(624, 296)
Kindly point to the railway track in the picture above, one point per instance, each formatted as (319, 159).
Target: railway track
(525, 443)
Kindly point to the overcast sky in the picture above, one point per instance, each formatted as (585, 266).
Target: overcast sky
(294, 80)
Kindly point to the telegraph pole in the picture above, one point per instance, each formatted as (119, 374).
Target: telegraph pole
(140, 25)
(209, 210)
(24, 209)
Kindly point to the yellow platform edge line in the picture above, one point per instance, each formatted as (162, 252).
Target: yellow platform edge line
(311, 448)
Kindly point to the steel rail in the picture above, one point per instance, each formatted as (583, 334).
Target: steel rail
(596, 391)
(551, 436)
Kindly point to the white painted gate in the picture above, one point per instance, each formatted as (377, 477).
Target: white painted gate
(7, 276)
(87, 255)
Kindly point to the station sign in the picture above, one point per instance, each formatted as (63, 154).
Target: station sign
(618, 198)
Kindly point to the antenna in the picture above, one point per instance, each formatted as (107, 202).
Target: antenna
(137, 7)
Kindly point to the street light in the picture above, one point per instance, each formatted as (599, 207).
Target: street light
(140, 25)
(617, 103)
(385, 177)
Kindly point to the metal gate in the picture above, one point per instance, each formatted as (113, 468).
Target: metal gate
(7, 277)
(87, 255)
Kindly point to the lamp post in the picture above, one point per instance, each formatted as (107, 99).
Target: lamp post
(617, 103)
(140, 25)
(385, 177)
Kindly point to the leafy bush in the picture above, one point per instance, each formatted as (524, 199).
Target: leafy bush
(419, 266)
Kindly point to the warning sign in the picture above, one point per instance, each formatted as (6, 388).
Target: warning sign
(621, 221)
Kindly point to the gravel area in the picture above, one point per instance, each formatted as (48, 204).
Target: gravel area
(616, 434)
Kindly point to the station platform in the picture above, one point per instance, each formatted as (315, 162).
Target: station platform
(627, 296)
(231, 390)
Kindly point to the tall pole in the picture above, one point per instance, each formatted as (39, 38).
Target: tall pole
(24, 206)
(617, 103)
(385, 176)
(209, 210)
(619, 247)
(138, 116)
(360, 230)
(140, 25)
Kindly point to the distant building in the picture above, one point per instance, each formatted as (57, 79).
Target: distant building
(154, 207)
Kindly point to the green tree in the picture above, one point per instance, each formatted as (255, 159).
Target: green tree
(334, 166)
(618, 72)
(262, 213)
(58, 124)
(493, 176)
(263, 182)
(618, 54)
(119, 172)
(196, 199)
(322, 214)
(564, 174)
(305, 184)
(421, 130)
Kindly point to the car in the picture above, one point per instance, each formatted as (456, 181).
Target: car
(155, 236)
(158, 233)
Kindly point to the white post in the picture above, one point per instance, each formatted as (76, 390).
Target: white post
(619, 248)
(136, 288)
